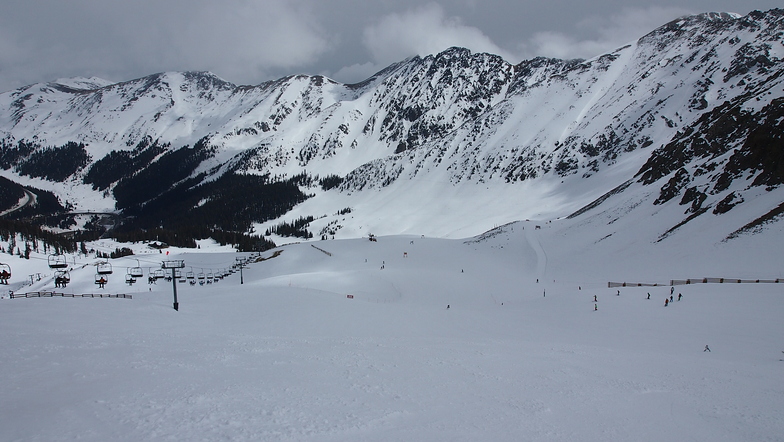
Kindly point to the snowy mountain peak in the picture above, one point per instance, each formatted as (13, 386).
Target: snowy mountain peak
(564, 133)
(82, 83)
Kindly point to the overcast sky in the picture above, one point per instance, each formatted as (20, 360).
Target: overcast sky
(250, 41)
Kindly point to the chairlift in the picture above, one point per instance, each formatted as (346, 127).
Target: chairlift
(63, 275)
(158, 274)
(61, 278)
(101, 279)
(58, 262)
(130, 279)
(5, 273)
(104, 268)
(190, 274)
(136, 272)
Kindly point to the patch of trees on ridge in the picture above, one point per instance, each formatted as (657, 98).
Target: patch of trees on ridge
(223, 209)
(117, 253)
(10, 193)
(161, 175)
(55, 163)
(52, 243)
(123, 164)
(296, 228)
(330, 182)
(46, 202)
(162, 198)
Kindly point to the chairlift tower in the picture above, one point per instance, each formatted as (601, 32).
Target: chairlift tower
(174, 265)
(240, 262)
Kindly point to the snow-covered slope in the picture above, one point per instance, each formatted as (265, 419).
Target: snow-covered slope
(495, 337)
(460, 135)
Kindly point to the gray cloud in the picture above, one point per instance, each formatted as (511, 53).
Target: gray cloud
(606, 33)
(249, 41)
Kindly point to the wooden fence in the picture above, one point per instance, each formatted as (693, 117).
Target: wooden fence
(67, 295)
(674, 282)
(321, 250)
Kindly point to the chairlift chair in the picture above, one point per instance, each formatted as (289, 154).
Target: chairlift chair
(104, 268)
(5, 273)
(190, 274)
(130, 279)
(101, 279)
(158, 274)
(136, 272)
(57, 262)
(63, 275)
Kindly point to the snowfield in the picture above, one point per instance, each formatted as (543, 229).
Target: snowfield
(452, 340)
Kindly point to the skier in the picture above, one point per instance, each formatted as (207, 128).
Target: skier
(672, 290)
(595, 307)
(666, 301)
(679, 296)
(706, 349)
(649, 296)
(594, 298)
(670, 298)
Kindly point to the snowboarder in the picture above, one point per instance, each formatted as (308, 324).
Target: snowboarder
(706, 349)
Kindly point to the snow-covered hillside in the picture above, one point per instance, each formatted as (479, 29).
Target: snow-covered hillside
(495, 337)
(686, 114)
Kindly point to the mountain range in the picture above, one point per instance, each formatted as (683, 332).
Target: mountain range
(684, 124)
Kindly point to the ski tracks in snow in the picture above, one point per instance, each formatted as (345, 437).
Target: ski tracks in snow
(532, 236)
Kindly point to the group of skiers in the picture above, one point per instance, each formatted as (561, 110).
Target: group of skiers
(668, 301)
